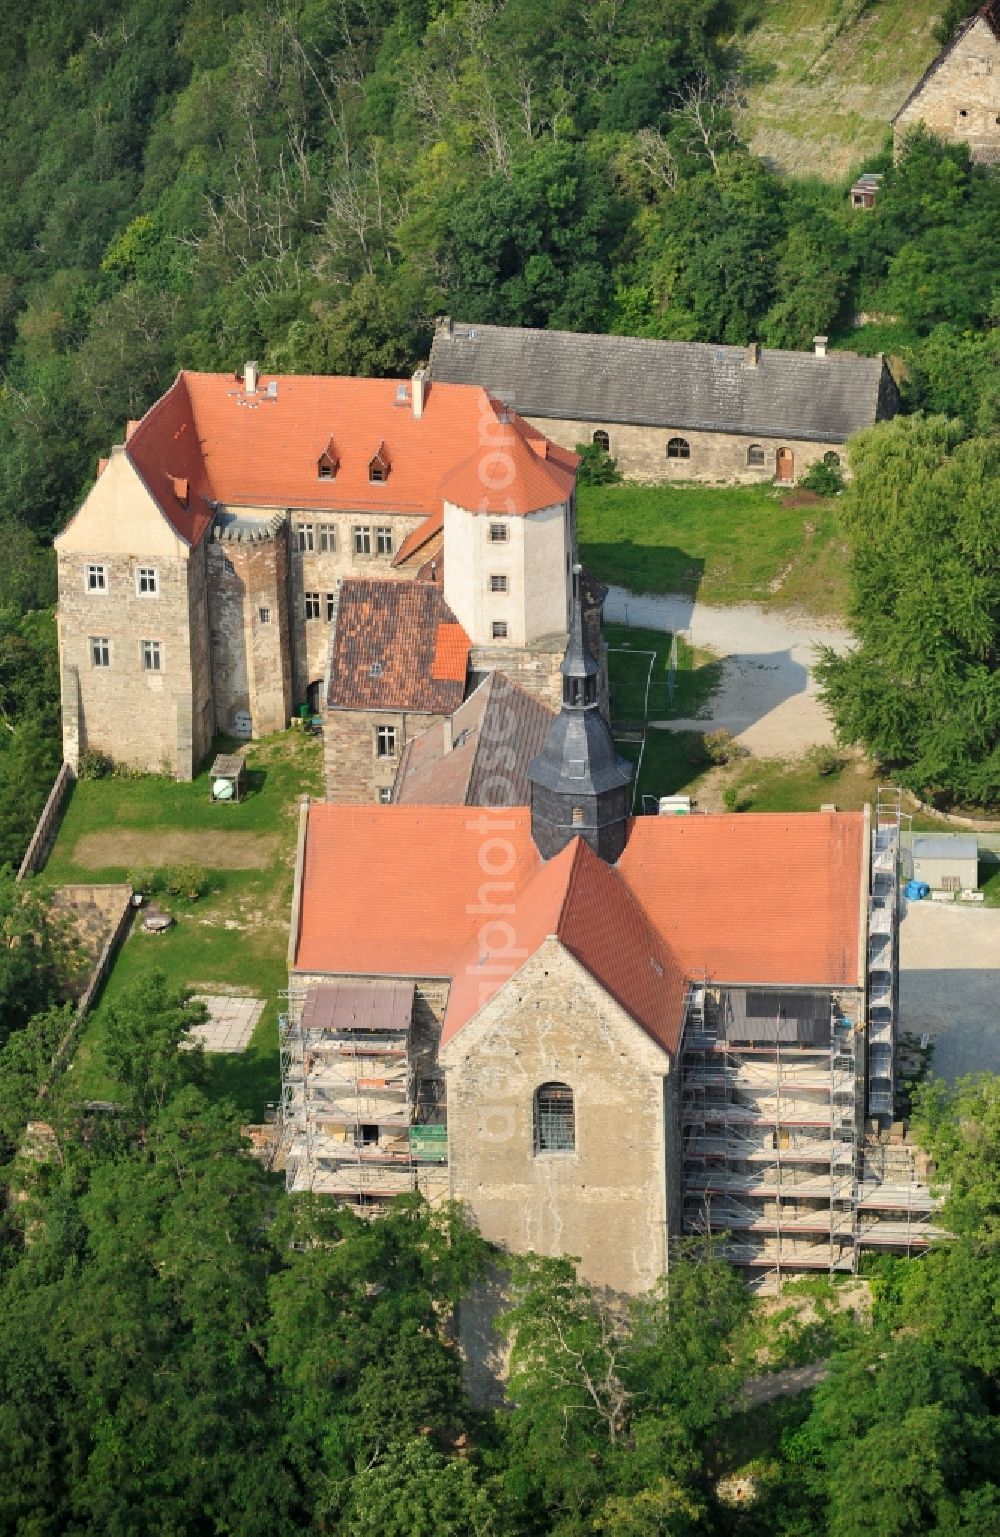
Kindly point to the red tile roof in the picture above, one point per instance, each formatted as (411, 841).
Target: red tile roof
(397, 891)
(515, 470)
(397, 646)
(451, 654)
(419, 536)
(755, 897)
(263, 449)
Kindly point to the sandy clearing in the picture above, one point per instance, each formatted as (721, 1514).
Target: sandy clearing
(213, 850)
(768, 697)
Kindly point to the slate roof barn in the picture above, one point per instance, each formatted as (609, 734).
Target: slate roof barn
(757, 392)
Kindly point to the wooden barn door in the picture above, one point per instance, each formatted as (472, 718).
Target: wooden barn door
(786, 464)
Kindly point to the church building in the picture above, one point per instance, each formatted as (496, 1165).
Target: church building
(594, 1031)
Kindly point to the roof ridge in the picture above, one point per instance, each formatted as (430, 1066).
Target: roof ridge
(577, 845)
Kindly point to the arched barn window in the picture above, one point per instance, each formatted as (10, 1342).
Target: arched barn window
(832, 459)
(755, 456)
(601, 440)
(555, 1123)
(678, 448)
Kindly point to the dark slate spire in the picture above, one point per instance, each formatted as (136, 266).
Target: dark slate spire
(579, 784)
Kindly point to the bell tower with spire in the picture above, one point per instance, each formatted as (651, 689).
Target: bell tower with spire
(579, 784)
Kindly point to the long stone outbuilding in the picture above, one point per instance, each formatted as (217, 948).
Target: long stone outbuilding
(675, 411)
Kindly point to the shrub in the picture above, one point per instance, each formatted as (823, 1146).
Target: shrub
(825, 760)
(94, 765)
(144, 879)
(128, 771)
(735, 799)
(597, 468)
(722, 747)
(188, 881)
(825, 478)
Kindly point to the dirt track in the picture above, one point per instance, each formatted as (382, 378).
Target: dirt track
(131, 846)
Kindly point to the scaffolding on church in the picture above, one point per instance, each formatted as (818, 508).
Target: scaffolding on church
(358, 1120)
(769, 1110)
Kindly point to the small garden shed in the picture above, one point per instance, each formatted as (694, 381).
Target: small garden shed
(946, 861)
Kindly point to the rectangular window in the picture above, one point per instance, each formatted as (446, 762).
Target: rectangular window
(385, 741)
(384, 796)
(312, 605)
(499, 629)
(305, 538)
(152, 660)
(383, 541)
(331, 606)
(100, 651)
(499, 533)
(146, 581)
(498, 584)
(327, 538)
(265, 615)
(96, 578)
(362, 540)
(951, 883)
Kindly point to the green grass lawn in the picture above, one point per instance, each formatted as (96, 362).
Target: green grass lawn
(235, 934)
(636, 694)
(989, 883)
(725, 544)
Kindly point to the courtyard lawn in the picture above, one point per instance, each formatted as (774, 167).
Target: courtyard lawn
(723, 544)
(236, 934)
(638, 694)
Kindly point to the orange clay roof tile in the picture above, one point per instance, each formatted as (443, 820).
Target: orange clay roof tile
(263, 449)
(766, 899)
(396, 647)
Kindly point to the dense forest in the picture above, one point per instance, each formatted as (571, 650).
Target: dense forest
(194, 182)
(187, 1352)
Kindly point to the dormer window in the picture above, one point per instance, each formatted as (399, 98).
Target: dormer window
(328, 462)
(378, 465)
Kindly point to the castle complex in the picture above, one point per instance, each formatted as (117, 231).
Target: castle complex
(256, 542)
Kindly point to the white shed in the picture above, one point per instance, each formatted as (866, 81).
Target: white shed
(946, 861)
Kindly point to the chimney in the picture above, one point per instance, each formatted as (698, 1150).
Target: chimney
(753, 354)
(819, 342)
(251, 374)
(419, 386)
(449, 734)
(443, 323)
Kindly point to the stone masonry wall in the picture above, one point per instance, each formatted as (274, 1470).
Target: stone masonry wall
(134, 716)
(353, 772)
(641, 452)
(961, 100)
(606, 1201)
(196, 722)
(250, 634)
(318, 570)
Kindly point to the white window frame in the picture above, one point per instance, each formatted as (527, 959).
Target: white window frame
(331, 606)
(498, 533)
(361, 534)
(383, 539)
(100, 646)
(311, 601)
(95, 579)
(327, 538)
(499, 630)
(499, 582)
(264, 615)
(151, 655)
(148, 574)
(386, 742)
(385, 795)
(305, 540)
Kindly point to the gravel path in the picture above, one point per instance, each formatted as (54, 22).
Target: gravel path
(768, 695)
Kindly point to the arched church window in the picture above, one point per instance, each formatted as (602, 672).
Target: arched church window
(601, 440)
(755, 456)
(678, 448)
(555, 1122)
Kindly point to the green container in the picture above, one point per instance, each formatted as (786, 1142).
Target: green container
(429, 1143)
(303, 712)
